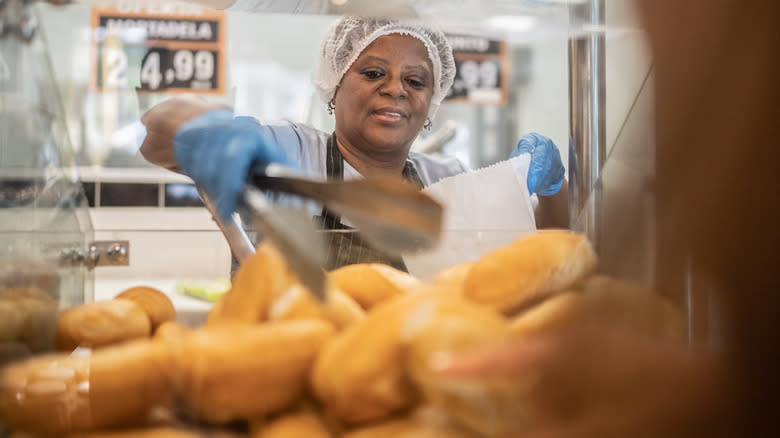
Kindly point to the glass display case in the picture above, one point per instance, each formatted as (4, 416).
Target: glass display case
(573, 70)
(559, 57)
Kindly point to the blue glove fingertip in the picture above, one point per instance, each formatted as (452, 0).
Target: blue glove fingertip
(527, 144)
(523, 147)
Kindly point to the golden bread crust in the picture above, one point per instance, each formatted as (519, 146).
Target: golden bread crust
(244, 371)
(158, 307)
(294, 425)
(101, 323)
(372, 283)
(531, 267)
(60, 393)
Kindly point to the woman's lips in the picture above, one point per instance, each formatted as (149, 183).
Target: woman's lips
(388, 116)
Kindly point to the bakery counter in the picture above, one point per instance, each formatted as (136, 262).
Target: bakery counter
(189, 311)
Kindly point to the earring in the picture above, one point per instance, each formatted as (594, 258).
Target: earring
(331, 107)
(428, 124)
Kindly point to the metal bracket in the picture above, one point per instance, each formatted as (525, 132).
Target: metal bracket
(100, 253)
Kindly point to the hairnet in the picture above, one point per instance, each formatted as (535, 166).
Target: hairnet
(346, 40)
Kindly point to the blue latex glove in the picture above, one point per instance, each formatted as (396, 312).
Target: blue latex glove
(217, 151)
(545, 173)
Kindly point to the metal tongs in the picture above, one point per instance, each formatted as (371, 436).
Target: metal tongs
(391, 216)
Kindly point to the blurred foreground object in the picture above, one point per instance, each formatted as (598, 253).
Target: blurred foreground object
(717, 165)
(716, 188)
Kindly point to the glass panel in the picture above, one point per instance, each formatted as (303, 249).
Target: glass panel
(43, 210)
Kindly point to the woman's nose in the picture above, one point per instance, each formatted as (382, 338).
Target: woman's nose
(394, 87)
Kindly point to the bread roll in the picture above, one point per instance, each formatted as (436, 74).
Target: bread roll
(215, 313)
(409, 428)
(372, 283)
(172, 332)
(101, 323)
(244, 371)
(294, 425)
(16, 293)
(12, 352)
(529, 268)
(491, 406)
(158, 307)
(28, 316)
(555, 314)
(608, 302)
(40, 322)
(297, 303)
(60, 393)
(12, 320)
(259, 280)
(359, 375)
(152, 432)
(454, 277)
(342, 311)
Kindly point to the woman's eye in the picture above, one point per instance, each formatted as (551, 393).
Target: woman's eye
(416, 83)
(372, 74)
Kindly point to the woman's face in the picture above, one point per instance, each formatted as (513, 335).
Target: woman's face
(383, 99)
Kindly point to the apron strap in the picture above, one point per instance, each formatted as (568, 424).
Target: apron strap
(410, 174)
(334, 168)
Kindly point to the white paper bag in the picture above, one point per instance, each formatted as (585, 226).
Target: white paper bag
(483, 210)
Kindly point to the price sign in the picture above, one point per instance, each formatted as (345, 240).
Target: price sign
(481, 70)
(159, 50)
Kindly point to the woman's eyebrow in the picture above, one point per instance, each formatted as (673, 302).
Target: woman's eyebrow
(373, 58)
(419, 69)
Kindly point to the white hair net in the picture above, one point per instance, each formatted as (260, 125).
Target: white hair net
(347, 39)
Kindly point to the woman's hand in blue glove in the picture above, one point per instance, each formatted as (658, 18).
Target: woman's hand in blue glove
(546, 172)
(217, 150)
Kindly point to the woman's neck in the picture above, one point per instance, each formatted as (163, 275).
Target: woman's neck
(373, 164)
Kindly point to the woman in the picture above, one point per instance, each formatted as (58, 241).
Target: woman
(384, 81)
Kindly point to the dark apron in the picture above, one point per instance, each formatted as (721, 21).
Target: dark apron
(344, 244)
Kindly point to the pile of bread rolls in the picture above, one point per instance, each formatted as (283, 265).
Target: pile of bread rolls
(271, 362)
(27, 316)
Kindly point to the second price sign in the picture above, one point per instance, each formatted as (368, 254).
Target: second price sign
(481, 65)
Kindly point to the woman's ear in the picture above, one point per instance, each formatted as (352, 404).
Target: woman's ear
(332, 102)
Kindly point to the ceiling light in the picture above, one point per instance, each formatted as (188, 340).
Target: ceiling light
(519, 23)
